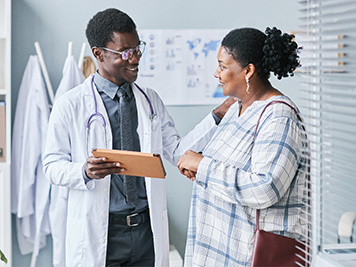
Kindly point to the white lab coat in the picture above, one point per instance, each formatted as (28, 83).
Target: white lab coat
(29, 187)
(88, 204)
(71, 77)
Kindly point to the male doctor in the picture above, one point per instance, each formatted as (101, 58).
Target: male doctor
(105, 227)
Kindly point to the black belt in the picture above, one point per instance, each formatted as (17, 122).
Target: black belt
(131, 219)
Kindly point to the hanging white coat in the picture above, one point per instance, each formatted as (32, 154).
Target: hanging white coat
(29, 187)
(88, 204)
(72, 76)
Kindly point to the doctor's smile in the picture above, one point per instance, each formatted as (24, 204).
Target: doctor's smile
(133, 69)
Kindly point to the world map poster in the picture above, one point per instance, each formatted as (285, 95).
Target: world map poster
(180, 65)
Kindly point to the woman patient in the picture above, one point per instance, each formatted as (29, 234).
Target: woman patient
(235, 175)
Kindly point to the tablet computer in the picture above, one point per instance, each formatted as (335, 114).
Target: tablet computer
(135, 163)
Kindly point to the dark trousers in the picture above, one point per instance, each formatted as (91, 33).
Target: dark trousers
(130, 245)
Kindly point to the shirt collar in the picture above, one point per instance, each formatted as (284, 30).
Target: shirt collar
(110, 88)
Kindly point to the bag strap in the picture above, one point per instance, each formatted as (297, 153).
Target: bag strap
(263, 110)
(254, 137)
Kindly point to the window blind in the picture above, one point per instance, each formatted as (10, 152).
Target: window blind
(328, 59)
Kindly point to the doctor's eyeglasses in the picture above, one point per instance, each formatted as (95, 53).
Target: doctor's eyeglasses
(127, 54)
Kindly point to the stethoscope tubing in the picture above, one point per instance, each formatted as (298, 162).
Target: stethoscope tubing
(96, 113)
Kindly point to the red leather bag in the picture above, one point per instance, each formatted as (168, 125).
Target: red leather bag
(270, 249)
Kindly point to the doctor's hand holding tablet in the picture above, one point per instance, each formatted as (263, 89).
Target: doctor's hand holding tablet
(125, 162)
(98, 168)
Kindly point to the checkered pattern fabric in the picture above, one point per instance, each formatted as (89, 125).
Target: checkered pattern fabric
(235, 178)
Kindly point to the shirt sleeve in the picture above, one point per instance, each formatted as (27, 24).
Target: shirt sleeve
(268, 174)
(85, 177)
(216, 118)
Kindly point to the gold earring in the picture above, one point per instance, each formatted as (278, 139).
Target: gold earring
(248, 85)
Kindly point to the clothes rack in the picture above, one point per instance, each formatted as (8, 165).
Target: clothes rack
(44, 71)
(70, 48)
(81, 57)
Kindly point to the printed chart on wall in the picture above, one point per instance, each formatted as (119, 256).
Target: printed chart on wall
(180, 65)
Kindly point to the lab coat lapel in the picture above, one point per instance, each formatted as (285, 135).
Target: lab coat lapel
(144, 123)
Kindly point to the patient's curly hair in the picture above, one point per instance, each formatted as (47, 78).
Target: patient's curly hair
(101, 27)
(271, 52)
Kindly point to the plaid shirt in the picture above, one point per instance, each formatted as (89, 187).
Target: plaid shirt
(234, 179)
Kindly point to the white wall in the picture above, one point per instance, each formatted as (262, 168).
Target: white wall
(54, 23)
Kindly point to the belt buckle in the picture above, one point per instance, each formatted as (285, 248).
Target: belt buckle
(128, 220)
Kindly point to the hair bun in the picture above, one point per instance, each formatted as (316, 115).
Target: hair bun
(280, 53)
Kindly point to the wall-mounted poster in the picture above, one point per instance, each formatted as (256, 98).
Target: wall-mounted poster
(180, 65)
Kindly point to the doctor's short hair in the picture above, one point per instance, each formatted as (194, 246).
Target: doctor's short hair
(271, 51)
(101, 27)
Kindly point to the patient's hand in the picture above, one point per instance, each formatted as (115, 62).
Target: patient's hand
(188, 164)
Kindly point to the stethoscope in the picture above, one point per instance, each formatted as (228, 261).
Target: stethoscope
(96, 113)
